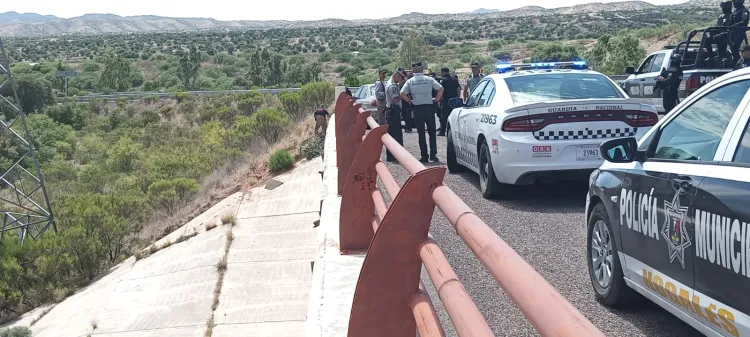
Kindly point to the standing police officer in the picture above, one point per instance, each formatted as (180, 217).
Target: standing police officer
(393, 109)
(420, 87)
(473, 80)
(380, 97)
(452, 90)
(740, 18)
(669, 81)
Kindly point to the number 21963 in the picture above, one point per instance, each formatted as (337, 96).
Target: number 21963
(489, 119)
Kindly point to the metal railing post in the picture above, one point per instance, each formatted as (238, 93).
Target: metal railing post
(350, 146)
(357, 208)
(391, 271)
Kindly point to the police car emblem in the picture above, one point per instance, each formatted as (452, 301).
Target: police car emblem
(673, 230)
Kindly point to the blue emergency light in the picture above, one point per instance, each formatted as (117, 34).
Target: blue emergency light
(503, 67)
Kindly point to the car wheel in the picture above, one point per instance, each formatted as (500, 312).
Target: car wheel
(450, 155)
(488, 184)
(604, 265)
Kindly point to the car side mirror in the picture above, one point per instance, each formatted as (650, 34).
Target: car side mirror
(620, 150)
(455, 103)
(630, 70)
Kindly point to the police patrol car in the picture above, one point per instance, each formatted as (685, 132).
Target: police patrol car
(667, 214)
(544, 122)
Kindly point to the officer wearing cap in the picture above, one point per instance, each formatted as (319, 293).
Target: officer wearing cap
(393, 109)
(420, 88)
(669, 81)
(473, 80)
(380, 97)
(740, 19)
(452, 90)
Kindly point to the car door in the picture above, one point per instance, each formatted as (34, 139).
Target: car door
(467, 150)
(722, 239)
(648, 80)
(633, 86)
(481, 114)
(657, 201)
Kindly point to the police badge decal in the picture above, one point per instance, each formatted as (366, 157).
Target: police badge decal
(673, 230)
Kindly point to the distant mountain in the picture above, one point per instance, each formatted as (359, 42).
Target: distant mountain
(14, 24)
(10, 17)
(484, 11)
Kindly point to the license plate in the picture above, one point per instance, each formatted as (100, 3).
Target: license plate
(587, 152)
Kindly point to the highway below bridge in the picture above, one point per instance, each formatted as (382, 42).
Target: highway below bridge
(544, 224)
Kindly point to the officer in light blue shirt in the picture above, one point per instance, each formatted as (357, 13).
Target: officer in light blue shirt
(420, 88)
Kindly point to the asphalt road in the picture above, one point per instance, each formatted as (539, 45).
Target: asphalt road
(544, 225)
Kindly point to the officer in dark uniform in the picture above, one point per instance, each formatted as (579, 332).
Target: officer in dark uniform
(721, 39)
(740, 18)
(669, 81)
(744, 62)
(452, 90)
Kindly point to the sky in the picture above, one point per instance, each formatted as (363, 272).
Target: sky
(266, 10)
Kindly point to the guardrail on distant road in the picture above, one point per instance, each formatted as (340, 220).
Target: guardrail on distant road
(390, 299)
(141, 95)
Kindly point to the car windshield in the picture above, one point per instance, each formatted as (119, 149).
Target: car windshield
(549, 87)
(366, 91)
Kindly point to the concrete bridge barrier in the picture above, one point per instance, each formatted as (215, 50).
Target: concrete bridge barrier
(393, 244)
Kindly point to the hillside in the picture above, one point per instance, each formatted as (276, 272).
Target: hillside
(14, 24)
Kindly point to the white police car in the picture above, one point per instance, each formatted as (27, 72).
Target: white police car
(537, 122)
(667, 214)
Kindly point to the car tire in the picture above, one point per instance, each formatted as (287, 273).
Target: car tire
(488, 184)
(614, 292)
(450, 154)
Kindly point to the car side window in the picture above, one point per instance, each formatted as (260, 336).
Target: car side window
(646, 65)
(656, 65)
(742, 155)
(695, 133)
(475, 94)
(487, 94)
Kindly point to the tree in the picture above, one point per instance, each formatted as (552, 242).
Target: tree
(190, 65)
(612, 54)
(117, 73)
(413, 49)
(34, 92)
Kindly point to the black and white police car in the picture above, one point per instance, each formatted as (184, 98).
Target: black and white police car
(539, 122)
(667, 214)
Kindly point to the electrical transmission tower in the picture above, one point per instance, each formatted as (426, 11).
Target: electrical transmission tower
(24, 203)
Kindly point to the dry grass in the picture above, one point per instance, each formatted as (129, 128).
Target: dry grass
(228, 219)
(211, 225)
(210, 326)
(217, 290)
(94, 324)
(41, 314)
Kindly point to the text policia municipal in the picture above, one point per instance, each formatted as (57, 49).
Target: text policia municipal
(718, 239)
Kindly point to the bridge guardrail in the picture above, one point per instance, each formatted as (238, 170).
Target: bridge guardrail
(390, 299)
(140, 95)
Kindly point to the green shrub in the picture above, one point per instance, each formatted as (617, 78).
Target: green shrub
(279, 161)
(317, 93)
(269, 123)
(182, 96)
(293, 105)
(18, 331)
(312, 147)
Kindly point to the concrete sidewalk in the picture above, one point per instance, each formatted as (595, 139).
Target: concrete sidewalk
(335, 275)
(265, 289)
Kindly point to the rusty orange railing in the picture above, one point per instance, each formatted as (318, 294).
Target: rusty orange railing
(390, 300)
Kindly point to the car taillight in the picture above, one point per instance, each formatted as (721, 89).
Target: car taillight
(523, 124)
(642, 119)
(692, 83)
